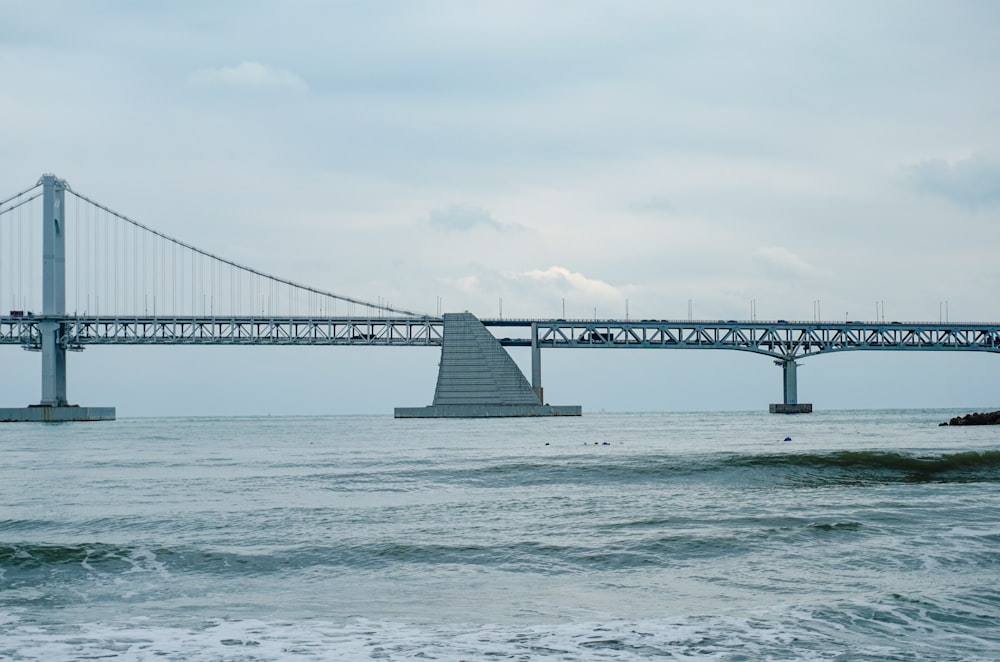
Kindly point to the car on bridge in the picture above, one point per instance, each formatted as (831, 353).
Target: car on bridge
(595, 337)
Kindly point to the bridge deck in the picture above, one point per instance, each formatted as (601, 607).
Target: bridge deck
(779, 338)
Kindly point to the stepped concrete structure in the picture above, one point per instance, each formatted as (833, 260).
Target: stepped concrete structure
(477, 378)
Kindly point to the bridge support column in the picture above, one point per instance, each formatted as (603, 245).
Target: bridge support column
(536, 364)
(53, 366)
(791, 403)
(53, 291)
(54, 406)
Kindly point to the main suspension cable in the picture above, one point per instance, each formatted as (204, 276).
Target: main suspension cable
(243, 268)
(27, 190)
(20, 203)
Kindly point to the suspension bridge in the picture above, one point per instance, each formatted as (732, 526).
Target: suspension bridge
(76, 273)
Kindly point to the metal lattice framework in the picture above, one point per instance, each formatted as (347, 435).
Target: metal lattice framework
(777, 339)
(79, 332)
(780, 340)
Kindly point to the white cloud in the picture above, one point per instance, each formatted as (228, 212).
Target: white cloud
(468, 284)
(570, 282)
(781, 259)
(248, 76)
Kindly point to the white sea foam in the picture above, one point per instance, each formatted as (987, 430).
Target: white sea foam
(776, 636)
(145, 560)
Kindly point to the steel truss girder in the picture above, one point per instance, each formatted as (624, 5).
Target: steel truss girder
(20, 331)
(781, 340)
(80, 332)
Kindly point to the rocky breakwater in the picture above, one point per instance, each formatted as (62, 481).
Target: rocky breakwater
(985, 418)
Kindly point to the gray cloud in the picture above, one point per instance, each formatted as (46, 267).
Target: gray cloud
(973, 182)
(248, 76)
(655, 205)
(467, 217)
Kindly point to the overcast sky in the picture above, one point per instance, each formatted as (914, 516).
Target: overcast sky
(593, 153)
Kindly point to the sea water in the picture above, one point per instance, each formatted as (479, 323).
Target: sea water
(853, 535)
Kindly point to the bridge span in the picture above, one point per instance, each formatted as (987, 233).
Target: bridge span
(128, 284)
(779, 339)
(784, 341)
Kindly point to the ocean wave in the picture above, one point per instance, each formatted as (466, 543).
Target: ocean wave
(25, 524)
(19, 560)
(803, 469)
(879, 466)
(611, 547)
(32, 565)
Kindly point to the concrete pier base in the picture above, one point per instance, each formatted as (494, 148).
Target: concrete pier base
(782, 408)
(47, 414)
(486, 411)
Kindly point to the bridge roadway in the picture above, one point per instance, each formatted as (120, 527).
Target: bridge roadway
(779, 339)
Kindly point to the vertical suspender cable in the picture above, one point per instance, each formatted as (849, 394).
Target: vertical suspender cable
(114, 266)
(20, 259)
(85, 235)
(84, 226)
(109, 280)
(129, 267)
(2, 262)
(10, 263)
(105, 249)
(153, 273)
(135, 270)
(96, 263)
(105, 271)
(76, 255)
(11, 243)
(89, 256)
(31, 265)
(7, 263)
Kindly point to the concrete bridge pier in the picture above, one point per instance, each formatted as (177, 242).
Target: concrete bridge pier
(791, 404)
(536, 364)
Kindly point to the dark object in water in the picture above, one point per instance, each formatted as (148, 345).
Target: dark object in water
(985, 418)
